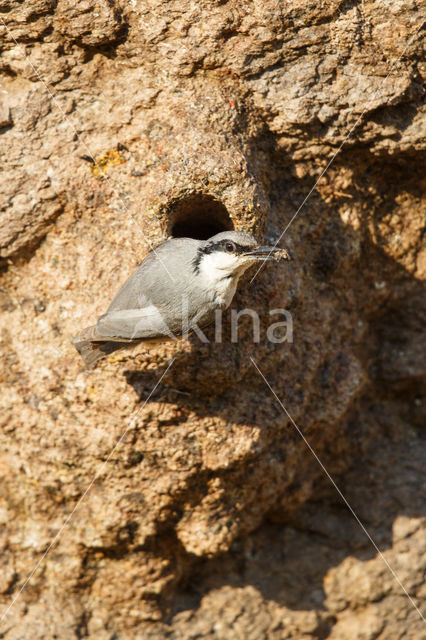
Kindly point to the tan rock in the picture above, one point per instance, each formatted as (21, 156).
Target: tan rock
(123, 123)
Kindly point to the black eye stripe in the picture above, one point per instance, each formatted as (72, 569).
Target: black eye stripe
(222, 245)
(219, 246)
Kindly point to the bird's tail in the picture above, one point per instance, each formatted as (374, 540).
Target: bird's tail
(92, 348)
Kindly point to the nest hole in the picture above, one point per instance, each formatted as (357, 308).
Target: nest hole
(199, 217)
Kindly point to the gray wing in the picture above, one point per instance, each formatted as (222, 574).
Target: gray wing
(159, 277)
(149, 304)
(133, 324)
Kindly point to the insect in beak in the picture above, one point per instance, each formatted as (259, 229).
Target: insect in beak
(269, 253)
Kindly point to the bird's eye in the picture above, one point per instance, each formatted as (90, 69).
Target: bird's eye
(230, 247)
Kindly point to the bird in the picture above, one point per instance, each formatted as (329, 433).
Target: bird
(179, 285)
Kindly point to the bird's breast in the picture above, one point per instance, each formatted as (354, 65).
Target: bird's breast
(224, 292)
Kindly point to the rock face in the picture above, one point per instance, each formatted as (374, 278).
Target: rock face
(123, 123)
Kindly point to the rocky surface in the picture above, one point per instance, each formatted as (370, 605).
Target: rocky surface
(125, 122)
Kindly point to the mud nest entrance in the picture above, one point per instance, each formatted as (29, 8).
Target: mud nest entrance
(198, 216)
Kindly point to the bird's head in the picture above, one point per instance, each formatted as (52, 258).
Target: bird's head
(229, 253)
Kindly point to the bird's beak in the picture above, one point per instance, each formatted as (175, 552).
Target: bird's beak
(268, 253)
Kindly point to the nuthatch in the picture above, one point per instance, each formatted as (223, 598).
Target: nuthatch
(179, 285)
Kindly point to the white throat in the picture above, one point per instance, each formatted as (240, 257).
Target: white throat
(217, 270)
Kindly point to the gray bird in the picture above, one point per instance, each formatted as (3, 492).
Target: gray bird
(179, 285)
